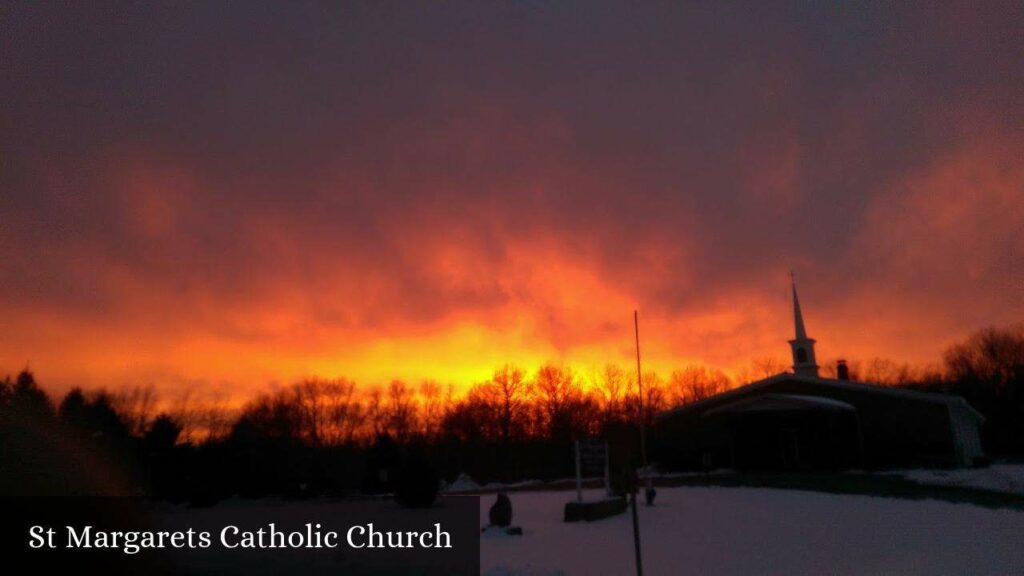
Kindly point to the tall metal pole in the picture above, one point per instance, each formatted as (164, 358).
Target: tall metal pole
(633, 487)
(636, 531)
(640, 392)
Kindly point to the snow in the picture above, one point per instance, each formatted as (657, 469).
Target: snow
(462, 484)
(998, 477)
(465, 484)
(820, 401)
(725, 531)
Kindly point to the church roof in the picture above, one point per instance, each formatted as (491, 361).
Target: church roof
(948, 400)
(780, 402)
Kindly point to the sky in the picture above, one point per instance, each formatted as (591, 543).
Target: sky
(226, 196)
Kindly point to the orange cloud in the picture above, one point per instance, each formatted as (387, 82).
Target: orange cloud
(197, 209)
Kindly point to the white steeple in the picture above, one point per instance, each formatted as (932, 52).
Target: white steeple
(804, 362)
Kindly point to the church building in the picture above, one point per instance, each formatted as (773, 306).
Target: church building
(800, 420)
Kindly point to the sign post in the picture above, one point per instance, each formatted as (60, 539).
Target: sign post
(579, 474)
(607, 471)
(592, 460)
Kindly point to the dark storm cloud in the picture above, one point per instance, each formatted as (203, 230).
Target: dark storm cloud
(376, 164)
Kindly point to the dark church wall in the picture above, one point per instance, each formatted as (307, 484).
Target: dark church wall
(895, 431)
(684, 442)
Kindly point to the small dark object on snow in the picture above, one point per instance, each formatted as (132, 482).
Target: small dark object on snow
(649, 494)
(594, 509)
(501, 511)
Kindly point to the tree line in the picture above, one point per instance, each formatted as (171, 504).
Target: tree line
(332, 434)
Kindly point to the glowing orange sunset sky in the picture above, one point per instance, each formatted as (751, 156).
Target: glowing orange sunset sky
(189, 199)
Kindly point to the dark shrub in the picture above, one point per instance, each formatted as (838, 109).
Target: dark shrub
(381, 467)
(500, 513)
(417, 484)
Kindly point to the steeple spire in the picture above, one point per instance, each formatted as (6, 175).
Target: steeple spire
(804, 362)
(798, 317)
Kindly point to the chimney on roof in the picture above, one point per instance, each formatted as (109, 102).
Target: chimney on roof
(842, 372)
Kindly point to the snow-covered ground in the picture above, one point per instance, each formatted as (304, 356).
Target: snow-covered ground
(465, 484)
(998, 477)
(745, 531)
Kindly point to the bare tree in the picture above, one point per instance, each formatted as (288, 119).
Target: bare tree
(695, 383)
(654, 399)
(376, 416)
(610, 387)
(203, 418)
(137, 407)
(345, 414)
(401, 411)
(991, 357)
(431, 408)
(509, 384)
(183, 411)
(564, 410)
(554, 391)
(760, 368)
(310, 402)
(475, 417)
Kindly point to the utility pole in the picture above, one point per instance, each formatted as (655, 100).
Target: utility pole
(633, 480)
(640, 392)
(636, 529)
